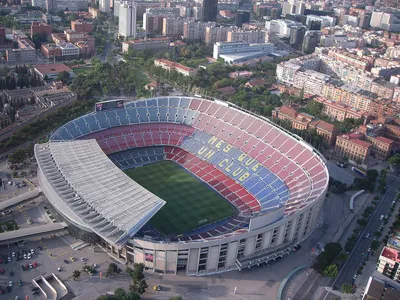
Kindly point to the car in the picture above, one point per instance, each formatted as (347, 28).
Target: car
(29, 221)
(13, 254)
(66, 261)
(368, 235)
(25, 256)
(9, 259)
(40, 248)
(26, 267)
(34, 264)
(59, 269)
(7, 212)
(19, 282)
(29, 256)
(32, 251)
(1, 261)
(82, 259)
(35, 292)
(2, 271)
(342, 164)
(72, 258)
(10, 283)
(2, 291)
(30, 266)
(354, 277)
(381, 218)
(394, 202)
(35, 289)
(23, 268)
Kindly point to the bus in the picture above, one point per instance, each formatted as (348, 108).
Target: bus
(359, 172)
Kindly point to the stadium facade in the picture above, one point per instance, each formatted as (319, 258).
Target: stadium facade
(276, 181)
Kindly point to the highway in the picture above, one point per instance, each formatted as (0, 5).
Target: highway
(358, 255)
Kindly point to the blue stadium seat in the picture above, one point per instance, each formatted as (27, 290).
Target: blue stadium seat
(83, 128)
(162, 102)
(185, 102)
(101, 119)
(91, 122)
(112, 118)
(174, 101)
(121, 114)
(152, 102)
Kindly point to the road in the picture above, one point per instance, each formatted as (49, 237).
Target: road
(357, 256)
(339, 173)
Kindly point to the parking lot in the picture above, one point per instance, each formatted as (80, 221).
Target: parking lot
(48, 257)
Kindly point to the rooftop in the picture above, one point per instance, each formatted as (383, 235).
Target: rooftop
(50, 69)
(391, 254)
(96, 190)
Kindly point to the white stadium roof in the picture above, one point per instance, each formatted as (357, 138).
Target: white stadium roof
(106, 199)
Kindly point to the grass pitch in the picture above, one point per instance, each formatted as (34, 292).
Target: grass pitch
(190, 203)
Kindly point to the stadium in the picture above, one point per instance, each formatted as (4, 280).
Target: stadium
(184, 185)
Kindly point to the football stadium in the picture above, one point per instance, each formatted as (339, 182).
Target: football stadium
(184, 185)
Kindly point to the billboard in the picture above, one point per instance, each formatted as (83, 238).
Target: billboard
(107, 105)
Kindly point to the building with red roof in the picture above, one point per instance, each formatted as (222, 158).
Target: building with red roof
(353, 146)
(303, 121)
(170, 66)
(381, 147)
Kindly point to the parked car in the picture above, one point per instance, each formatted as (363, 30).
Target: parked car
(2, 271)
(72, 258)
(10, 283)
(7, 212)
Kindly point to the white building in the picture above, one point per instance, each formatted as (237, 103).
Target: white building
(39, 3)
(281, 27)
(68, 50)
(240, 52)
(326, 21)
(127, 19)
(385, 21)
(104, 5)
(116, 6)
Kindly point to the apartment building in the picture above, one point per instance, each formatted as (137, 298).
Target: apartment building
(127, 19)
(81, 26)
(214, 34)
(154, 44)
(41, 29)
(153, 18)
(172, 26)
(311, 81)
(249, 36)
(194, 30)
(173, 66)
(383, 89)
(353, 147)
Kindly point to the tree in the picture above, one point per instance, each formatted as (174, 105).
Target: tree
(331, 271)
(18, 156)
(138, 286)
(76, 274)
(347, 288)
(395, 163)
(343, 256)
(375, 245)
(314, 107)
(175, 298)
(112, 269)
(64, 76)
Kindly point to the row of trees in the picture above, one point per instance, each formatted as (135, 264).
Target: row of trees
(48, 123)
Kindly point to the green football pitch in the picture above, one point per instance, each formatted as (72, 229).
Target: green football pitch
(190, 203)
